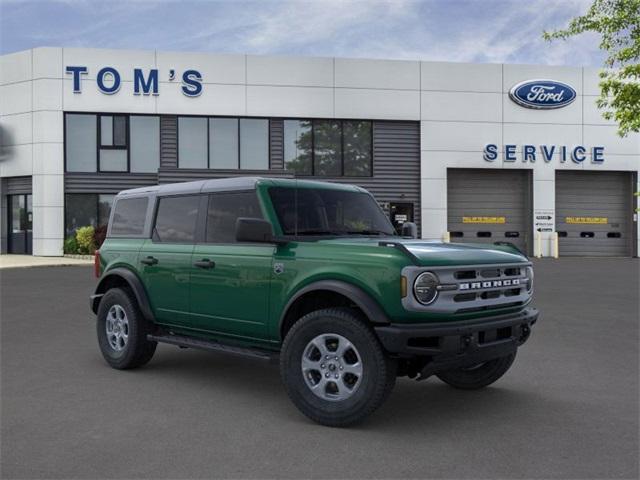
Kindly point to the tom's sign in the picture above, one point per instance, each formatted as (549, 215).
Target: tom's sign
(108, 80)
(542, 94)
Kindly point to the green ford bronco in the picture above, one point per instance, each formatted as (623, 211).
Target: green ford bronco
(312, 273)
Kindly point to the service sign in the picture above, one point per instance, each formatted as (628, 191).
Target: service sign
(485, 220)
(542, 94)
(544, 220)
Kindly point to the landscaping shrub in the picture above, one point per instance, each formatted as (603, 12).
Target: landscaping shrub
(71, 245)
(84, 237)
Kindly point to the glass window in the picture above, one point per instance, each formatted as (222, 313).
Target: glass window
(120, 131)
(314, 211)
(327, 141)
(105, 202)
(223, 143)
(106, 130)
(80, 211)
(113, 160)
(357, 148)
(144, 143)
(297, 146)
(224, 210)
(129, 216)
(192, 142)
(254, 144)
(176, 219)
(80, 142)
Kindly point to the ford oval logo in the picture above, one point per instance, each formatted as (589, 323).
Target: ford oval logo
(542, 94)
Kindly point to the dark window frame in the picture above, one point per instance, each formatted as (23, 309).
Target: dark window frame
(98, 115)
(342, 121)
(239, 156)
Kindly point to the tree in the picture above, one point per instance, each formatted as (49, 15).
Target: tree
(618, 23)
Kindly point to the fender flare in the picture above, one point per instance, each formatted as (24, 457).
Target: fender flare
(363, 300)
(133, 281)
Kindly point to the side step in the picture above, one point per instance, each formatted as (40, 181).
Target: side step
(191, 342)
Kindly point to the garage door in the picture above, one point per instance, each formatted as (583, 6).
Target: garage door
(486, 206)
(593, 213)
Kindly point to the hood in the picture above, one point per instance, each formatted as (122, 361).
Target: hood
(434, 253)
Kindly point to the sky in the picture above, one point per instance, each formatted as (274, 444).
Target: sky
(486, 31)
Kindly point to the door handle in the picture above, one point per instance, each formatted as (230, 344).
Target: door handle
(204, 263)
(149, 260)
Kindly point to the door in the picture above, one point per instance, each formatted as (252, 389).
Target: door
(165, 259)
(400, 213)
(487, 206)
(20, 224)
(230, 281)
(594, 214)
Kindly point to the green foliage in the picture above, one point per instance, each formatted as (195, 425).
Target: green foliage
(70, 245)
(618, 23)
(84, 237)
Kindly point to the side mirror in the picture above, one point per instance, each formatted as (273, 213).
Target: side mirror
(253, 230)
(409, 229)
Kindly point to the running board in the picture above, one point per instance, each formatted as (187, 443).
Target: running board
(212, 345)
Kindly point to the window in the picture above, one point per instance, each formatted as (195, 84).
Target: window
(312, 211)
(80, 142)
(357, 148)
(192, 142)
(223, 143)
(224, 209)
(327, 148)
(297, 146)
(176, 219)
(83, 209)
(129, 216)
(113, 143)
(330, 148)
(145, 143)
(254, 144)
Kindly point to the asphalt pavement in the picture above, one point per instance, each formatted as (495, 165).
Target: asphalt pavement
(568, 408)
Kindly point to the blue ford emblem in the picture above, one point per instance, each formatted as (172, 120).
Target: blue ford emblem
(542, 94)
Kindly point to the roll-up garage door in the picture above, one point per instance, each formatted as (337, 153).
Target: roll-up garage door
(593, 213)
(487, 206)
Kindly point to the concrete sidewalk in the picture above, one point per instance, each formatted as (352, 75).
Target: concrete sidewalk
(25, 261)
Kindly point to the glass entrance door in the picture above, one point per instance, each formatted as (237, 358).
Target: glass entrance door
(400, 213)
(20, 221)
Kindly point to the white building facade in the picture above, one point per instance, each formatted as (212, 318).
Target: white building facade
(456, 147)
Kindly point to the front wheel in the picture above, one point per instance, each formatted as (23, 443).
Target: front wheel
(334, 369)
(477, 376)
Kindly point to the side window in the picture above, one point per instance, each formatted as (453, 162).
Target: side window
(224, 210)
(176, 219)
(129, 216)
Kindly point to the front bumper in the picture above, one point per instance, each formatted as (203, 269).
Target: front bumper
(458, 344)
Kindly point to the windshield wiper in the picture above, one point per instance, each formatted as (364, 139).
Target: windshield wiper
(368, 232)
(320, 232)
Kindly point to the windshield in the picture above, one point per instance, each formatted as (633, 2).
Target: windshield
(328, 212)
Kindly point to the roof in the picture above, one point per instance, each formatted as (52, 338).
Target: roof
(230, 184)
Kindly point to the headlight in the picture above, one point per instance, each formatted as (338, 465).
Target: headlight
(425, 288)
(529, 274)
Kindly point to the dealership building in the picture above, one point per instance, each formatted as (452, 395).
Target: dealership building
(470, 152)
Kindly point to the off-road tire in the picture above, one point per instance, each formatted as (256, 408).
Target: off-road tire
(378, 377)
(138, 350)
(478, 377)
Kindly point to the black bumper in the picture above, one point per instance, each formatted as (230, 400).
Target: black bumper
(459, 344)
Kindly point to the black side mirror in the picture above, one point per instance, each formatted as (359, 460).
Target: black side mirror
(253, 230)
(409, 229)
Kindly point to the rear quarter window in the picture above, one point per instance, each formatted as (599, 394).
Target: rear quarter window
(129, 216)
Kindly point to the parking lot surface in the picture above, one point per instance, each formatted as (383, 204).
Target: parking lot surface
(567, 409)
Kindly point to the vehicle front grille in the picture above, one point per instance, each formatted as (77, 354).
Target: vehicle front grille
(473, 288)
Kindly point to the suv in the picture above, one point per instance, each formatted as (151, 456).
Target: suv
(311, 272)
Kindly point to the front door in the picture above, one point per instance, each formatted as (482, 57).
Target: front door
(400, 213)
(20, 221)
(165, 259)
(230, 281)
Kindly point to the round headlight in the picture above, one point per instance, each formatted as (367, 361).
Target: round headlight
(529, 274)
(425, 288)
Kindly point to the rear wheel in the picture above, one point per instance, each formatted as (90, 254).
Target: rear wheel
(478, 376)
(122, 331)
(334, 369)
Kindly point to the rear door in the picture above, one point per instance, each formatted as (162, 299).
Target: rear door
(165, 259)
(230, 281)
